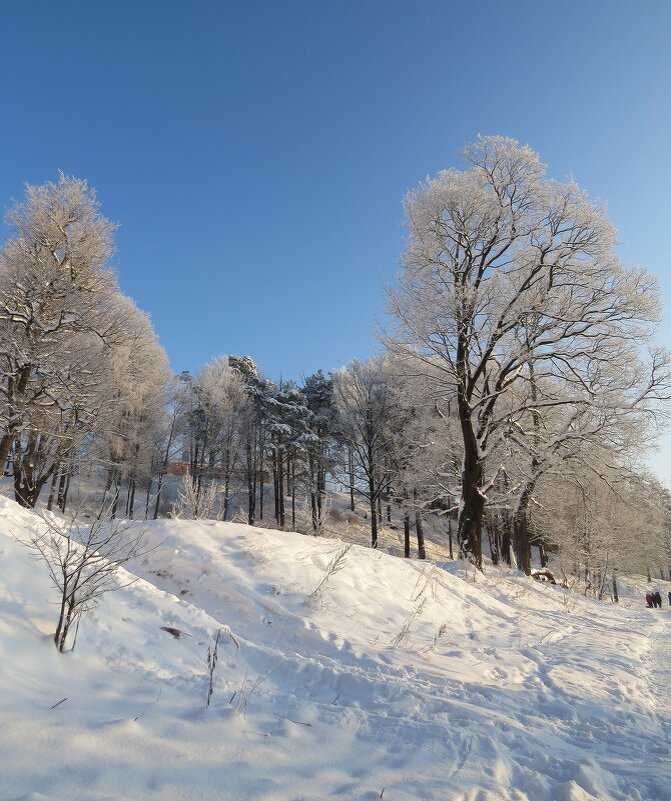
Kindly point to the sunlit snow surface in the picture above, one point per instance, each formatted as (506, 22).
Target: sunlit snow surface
(394, 680)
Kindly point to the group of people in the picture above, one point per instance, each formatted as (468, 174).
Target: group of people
(654, 600)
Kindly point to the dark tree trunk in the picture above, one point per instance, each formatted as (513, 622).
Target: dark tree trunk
(275, 491)
(261, 482)
(280, 487)
(406, 534)
(293, 495)
(506, 538)
(419, 530)
(65, 491)
(492, 526)
(372, 495)
(521, 542)
(227, 490)
(251, 486)
(373, 523)
(472, 509)
(52, 491)
(159, 488)
(60, 501)
(131, 498)
(147, 497)
(115, 501)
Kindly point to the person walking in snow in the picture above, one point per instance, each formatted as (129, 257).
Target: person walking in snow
(670, 598)
(648, 600)
(658, 599)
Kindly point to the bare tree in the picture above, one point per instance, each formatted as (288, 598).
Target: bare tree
(84, 557)
(506, 272)
(364, 406)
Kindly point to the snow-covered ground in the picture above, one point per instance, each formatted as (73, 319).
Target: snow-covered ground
(343, 673)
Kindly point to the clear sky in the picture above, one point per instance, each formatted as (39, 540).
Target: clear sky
(255, 154)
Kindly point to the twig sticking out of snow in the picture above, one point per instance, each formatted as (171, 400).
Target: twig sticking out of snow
(211, 664)
(335, 565)
(176, 633)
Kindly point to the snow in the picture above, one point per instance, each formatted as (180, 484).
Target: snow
(343, 673)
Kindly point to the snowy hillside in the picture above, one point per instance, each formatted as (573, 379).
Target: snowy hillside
(343, 673)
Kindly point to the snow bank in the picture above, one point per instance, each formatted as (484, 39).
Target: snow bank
(342, 673)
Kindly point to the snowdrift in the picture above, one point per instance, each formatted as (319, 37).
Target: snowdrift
(342, 673)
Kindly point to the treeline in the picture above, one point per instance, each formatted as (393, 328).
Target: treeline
(513, 404)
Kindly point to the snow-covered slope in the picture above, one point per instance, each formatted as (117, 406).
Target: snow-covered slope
(343, 673)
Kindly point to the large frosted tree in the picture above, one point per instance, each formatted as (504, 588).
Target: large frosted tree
(511, 287)
(67, 335)
(57, 317)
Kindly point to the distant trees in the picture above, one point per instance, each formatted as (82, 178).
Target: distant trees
(511, 289)
(217, 411)
(514, 393)
(365, 409)
(132, 420)
(599, 520)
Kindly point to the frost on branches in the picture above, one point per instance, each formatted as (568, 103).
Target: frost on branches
(510, 287)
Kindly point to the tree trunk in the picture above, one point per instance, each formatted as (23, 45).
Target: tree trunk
(506, 538)
(131, 498)
(293, 495)
(251, 487)
(373, 522)
(280, 487)
(261, 481)
(521, 543)
(147, 497)
(372, 495)
(66, 490)
(472, 509)
(492, 526)
(159, 488)
(419, 530)
(52, 491)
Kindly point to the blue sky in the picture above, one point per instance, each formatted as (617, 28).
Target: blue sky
(255, 154)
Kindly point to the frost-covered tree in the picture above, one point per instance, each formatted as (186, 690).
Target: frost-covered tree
(253, 433)
(318, 392)
(225, 408)
(286, 420)
(134, 410)
(509, 280)
(68, 337)
(365, 409)
(58, 319)
(601, 519)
